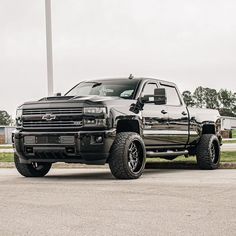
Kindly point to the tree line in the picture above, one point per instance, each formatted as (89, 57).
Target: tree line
(5, 118)
(223, 100)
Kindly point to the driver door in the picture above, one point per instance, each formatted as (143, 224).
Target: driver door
(155, 120)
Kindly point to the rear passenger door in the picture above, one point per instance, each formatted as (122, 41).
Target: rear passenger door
(177, 115)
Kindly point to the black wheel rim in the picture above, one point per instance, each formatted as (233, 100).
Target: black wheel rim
(37, 166)
(214, 153)
(135, 157)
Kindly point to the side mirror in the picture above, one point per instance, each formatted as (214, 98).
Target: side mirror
(159, 97)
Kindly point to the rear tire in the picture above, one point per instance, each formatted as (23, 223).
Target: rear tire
(208, 152)
(127, 156)
(36, 169)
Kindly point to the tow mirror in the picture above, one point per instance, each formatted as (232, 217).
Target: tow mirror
(159, 97)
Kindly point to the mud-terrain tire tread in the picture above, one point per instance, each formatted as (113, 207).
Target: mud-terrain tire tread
(117, 160)
(28, 170)
(204, 160)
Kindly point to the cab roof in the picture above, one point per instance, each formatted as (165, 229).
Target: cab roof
(140, 79)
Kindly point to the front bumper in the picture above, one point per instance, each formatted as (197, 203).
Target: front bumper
(89, 147)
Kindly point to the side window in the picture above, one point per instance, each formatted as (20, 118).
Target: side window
(172, 95)
(149, 89)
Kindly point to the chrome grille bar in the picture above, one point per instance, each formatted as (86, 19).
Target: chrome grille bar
(63, 118)
(56, 111)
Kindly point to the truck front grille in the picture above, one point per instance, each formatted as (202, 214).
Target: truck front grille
(54, 111)
(52, 118)
(51, 124)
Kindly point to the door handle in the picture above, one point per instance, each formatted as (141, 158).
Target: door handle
(163, 112)
(184, 113)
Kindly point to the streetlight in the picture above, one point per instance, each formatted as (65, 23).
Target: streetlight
(49, 47)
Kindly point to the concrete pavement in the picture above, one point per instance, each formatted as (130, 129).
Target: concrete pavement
(92, 202)
(228, 147)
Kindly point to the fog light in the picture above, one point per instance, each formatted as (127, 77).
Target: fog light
(29, 149)
(99, 139)
(70, 150)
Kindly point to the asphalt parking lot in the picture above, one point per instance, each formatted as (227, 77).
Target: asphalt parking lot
(92, 202)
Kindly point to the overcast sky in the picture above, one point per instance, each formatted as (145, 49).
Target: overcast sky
(188, 42)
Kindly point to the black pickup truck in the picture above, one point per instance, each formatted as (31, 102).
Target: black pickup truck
(115, 121)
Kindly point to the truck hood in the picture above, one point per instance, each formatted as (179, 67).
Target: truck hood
(116, 106)
(61, 101)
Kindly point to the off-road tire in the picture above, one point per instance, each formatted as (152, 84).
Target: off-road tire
(39, 169)
(121, 164)
(208, 152)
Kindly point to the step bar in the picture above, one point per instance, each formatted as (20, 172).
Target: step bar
(169, 153)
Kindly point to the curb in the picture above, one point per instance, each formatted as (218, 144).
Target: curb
(224, 165)
(59, 166)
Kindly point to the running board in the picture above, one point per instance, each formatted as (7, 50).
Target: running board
(164, 154)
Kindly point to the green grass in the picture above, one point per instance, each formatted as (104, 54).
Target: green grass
(6, 157)
(228, 157)
(225, 157)
(229, 141)
(5, 147)
(234, 134)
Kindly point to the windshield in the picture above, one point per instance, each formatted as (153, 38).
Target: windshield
(111, 88)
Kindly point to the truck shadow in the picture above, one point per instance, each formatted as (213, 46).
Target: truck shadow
(104, 174)
(171, 165)
(95, 175)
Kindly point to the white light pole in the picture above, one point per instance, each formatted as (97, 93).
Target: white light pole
(49, 46)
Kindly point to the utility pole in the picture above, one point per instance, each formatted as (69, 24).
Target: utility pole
(49, 46)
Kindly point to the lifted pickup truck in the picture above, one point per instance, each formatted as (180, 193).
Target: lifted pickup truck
(114, 121)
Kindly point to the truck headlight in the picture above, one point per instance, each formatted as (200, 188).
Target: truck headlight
(90, 122)
(94, 110)
(19, 113)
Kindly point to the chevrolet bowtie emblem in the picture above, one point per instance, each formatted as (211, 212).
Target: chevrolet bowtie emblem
(49, 117)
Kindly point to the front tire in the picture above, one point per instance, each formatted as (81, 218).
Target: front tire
(208, 152)
(35, 169)
(127, 156)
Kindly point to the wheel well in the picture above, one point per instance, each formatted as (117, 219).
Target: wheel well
(209, 129)
(128, 126)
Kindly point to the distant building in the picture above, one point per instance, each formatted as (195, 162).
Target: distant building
(6, 134)
(228, 123)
